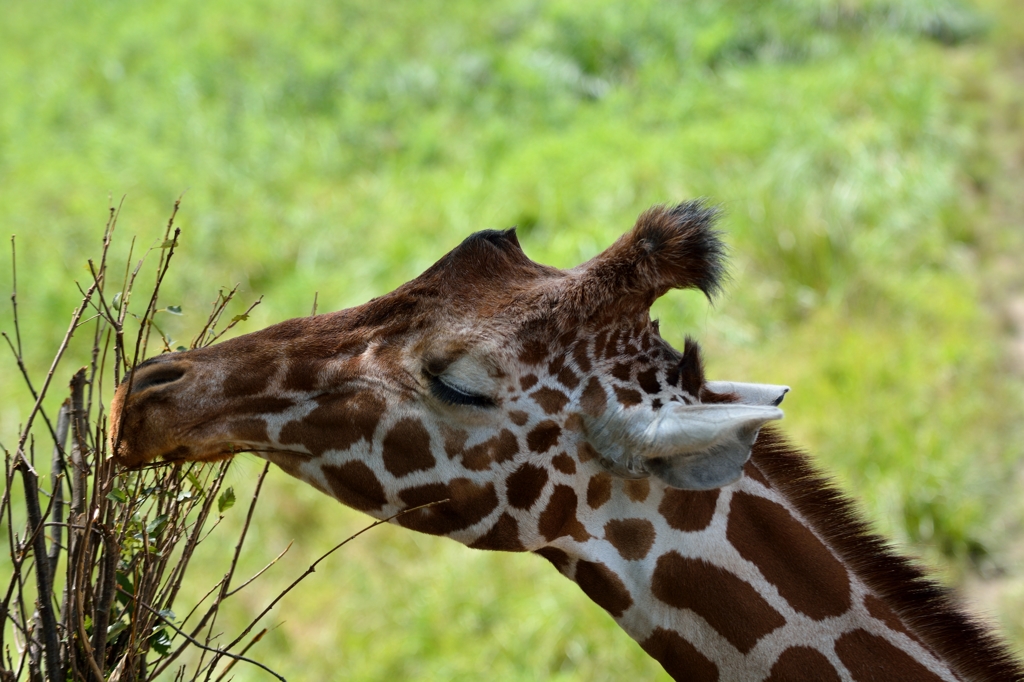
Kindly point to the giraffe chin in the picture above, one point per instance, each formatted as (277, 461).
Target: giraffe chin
(219, 452)
(183, 453)
(138, 448)
(177, 455)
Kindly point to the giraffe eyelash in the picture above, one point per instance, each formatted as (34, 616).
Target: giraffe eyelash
(447, 393)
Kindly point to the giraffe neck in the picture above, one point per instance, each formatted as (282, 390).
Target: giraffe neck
(738, 584)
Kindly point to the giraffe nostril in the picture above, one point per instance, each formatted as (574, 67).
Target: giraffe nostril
(155, 375)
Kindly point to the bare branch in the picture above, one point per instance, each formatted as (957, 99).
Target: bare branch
(235, 320)
(56, 482)
(14, 293)
(229, 666)
(260, 572)
(200, 645)
(28, 380)
(53, 367)
(43, 576)
(312, 567)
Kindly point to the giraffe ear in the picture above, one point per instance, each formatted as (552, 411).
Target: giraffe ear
(693, 447)
(716, 463)
(750, 394)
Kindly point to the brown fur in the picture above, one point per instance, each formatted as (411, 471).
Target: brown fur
(680, 659)
(601, 584)
(802, 664)
(702, 587)
(817, 585)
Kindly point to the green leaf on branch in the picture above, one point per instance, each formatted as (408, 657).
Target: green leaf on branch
(157, 525)
(115, 629)
(174, 309)
(127, 591)
(117, 495)
(226, 500)
(240, 318)
(194, 480)
(160, 642)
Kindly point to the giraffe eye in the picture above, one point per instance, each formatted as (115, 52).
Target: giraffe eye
(445, 392)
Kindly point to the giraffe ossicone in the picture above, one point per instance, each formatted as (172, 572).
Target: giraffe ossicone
(545, 410)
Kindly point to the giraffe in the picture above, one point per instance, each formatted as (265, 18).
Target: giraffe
(545, 410)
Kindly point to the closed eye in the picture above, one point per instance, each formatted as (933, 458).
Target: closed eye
(445, 392)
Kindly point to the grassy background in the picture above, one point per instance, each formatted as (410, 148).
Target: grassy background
(867, 154)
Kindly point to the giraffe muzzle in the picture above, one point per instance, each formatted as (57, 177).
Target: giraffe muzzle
(204, 404)
(148, 410)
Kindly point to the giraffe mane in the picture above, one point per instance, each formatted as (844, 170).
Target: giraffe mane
(932, 610)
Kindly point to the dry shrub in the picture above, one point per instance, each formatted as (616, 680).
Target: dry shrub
(99, 554)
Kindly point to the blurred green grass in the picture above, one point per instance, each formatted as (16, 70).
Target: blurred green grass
(343, 148)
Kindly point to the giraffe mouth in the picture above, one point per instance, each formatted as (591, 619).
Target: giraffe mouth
(222, 451)
(180, 455)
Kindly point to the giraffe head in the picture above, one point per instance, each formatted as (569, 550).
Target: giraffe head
(485, 381)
